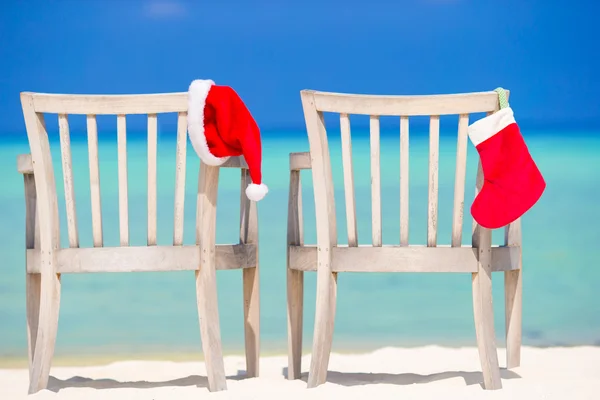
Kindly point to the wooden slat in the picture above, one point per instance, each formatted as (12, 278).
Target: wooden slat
(123, 196)
(403, 258)
(463, 103)
(513, 299)
(513, 292)
(180, 165)
(46, 290)
(432, 203)
(300, 161)
(67, 166)
(295, 279)
(483, 311)
(24, 164)
(152, 150)
(31, 223)
(251, 279)
(404, 181)
(206, 280)
(348, 180)
(324, 179)
(478, 186)
(326, 240)
(144, 259)
(109, 104)
(92, 130)
(295, 232)
(459, 180)
(375, 181)
(32, 281)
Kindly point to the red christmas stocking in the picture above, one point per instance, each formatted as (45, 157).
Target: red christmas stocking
(512, 181)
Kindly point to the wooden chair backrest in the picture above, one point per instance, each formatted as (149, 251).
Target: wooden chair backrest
(35, 105)
(315, 104)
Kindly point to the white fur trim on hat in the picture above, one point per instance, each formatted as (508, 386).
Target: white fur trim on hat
(256, 192)
(197, 94)
(483, 129)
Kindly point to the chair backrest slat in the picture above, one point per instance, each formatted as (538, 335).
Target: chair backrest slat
(123, 186)
(375, 180)
(328, 176)
(404, 180)
(459, 180)
(432, 202)
(346, 141)
(67, 165)
(180, 164)
(478, 186)
(434, 106)
(152, 155)
(92, 130)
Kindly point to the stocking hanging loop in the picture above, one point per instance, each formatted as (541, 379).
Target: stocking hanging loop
(502, 97)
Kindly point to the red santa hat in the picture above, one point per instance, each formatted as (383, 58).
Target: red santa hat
(220, 126)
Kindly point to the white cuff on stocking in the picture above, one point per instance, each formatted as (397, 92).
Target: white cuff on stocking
(485, 128)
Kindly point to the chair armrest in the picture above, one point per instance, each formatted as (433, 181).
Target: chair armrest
(295, 230)
(24, 164)
(299, 161)
(32, 232)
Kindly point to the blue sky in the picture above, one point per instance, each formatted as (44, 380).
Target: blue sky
(544, 51)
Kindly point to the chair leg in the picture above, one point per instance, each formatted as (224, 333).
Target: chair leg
(324, 322)
(251, 280)
(295, 278)
(206, 278)
(513, 295)
(295, 299)
(252, 320)
(33, 291)
(513, 298)
(43, 302)
(210, 331)
(484, 315)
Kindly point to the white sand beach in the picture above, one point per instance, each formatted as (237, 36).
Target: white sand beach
(390, 373)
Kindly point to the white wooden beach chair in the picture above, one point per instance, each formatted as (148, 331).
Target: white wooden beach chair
(328, 258)
(47, 261)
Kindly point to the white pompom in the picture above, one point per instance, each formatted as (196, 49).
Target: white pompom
(256, 192)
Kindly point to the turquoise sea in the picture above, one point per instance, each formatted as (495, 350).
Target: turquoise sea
(155, 313)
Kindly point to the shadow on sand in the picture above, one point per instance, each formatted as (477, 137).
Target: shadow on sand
(55, 384)
(359, 378)
(335, 377)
